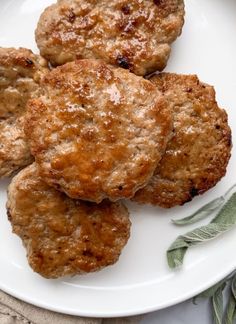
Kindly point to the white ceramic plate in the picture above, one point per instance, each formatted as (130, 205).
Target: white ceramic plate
(141, 281)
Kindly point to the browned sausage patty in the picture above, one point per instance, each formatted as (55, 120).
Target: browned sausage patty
(20, 74)
(197, 156)
(64, 236)
(14, 149)
(97, 131)
(133, 34)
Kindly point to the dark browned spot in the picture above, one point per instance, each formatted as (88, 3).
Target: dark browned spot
(71, 259)
(37, 259)
(126, 9)
(230, 141)
(157, 2)
(29, 62)
(9, 215)
(189, 90)
(123, 62)
(217, 126)
(71, 16)
(87, 253)
(120, 188)
(99, 258)
(193, 192)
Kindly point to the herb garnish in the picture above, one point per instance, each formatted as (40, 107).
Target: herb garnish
(204, 211)
(224, 221)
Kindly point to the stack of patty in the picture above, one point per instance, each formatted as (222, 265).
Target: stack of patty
(99, 132)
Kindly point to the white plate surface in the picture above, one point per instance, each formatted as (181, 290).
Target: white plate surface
(140, 281)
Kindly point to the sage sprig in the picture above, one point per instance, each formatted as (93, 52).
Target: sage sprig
(230, 313)
(217, 305)
(230, 310)
(212, 290)
(201, 213)
(224, 221)
(217, 300)
(205, 210)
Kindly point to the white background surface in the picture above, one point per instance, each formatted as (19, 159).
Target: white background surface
(141, 280)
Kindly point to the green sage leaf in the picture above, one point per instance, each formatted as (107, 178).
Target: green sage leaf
(215, 293)
(205, 210)
(230, 310)
(212, 290)
(227, 215)
(201, 213)
(230, 313)
(205, 233)
(217, 305)
(175, 257)
(178, 249)
(224, 221)
(233, 286)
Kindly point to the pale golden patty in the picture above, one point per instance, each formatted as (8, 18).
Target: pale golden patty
(97, 131)
(133, 34)
(64, 236)
(20, 75)
(197, 156)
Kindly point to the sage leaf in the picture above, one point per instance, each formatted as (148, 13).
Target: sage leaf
(178, 249)
(204, 211)
(227, 214)
(201, 213)
(230, 310)
(175, 257)
(233, 286)
(216, 295)
(217, 305)
(230, 313)
(212, 290)
(224, 221)
(205, 233)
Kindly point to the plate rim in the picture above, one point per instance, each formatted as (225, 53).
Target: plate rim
(140, 311)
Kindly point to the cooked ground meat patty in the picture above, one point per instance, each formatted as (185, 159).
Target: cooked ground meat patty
(197, 156)
(14, 149)
(134, 35)
(64, 236)
(20, 75)
(97, 131)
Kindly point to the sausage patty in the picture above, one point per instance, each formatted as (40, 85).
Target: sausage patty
(64, 236)
(134, 35)
(14, 148)
(197, 156)
(20, 75)
(97, 131)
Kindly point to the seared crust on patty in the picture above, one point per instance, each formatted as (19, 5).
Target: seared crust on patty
(135, 35)
(20, 75)
(197, 156)
(64, 236)
(97, 131)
